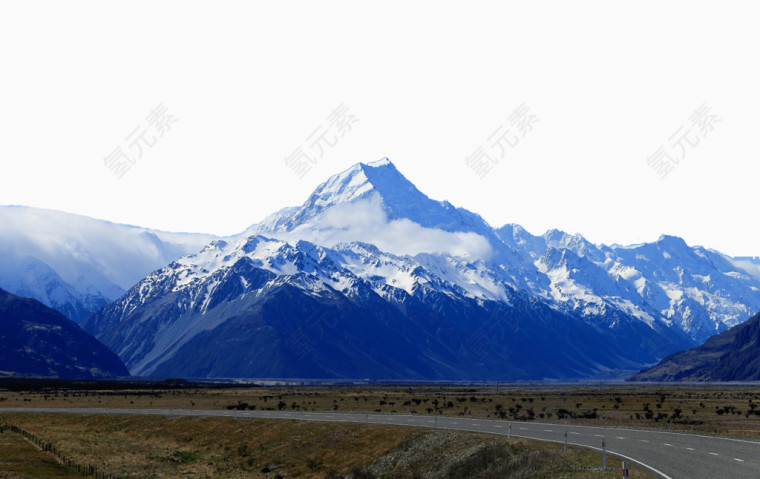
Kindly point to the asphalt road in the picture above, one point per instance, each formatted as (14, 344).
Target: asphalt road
(667, 455)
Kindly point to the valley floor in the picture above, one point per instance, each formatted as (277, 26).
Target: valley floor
(725, 409)
(157, 446)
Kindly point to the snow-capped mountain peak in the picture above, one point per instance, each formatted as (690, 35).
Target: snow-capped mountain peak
(394, 265)
(375, 203)
(381, 183)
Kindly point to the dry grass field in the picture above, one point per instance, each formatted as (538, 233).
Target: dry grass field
(159, 447)
(726, 410)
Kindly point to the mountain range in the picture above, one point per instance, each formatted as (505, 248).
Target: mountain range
(371, 278)
(77, 264)
(700, 291)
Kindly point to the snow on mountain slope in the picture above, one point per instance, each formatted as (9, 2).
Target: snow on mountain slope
(702, 291)
(704, 294)
(245, 268)
(405, 283)
(375, 203)
(186, 310)
(584, 287)
(398, 197)
(30, 278)
(518, 237)
(338, 267)
(76, 264)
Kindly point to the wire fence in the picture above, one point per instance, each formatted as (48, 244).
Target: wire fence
(84, 469)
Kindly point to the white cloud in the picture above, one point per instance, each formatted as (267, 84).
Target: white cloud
(367, 221)
(750, 266)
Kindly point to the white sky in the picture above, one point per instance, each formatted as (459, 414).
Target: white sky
(428, 82)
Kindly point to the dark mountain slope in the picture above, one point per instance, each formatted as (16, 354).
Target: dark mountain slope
(38, 341)
(732, 355)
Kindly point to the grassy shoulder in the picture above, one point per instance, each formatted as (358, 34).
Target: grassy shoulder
(19, 459)
(152, 447)
(455, 455)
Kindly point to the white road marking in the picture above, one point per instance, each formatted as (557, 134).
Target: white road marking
(497, 426)
(656, 471)
(269, 414)
(523, 428)
(738, 460)
(548, 430)
(643, 440)
(713, 453)
(620, 437)
(576, 433)
(669, 445)
(689, 448)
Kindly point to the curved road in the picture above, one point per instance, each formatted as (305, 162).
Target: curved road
(667, 455)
